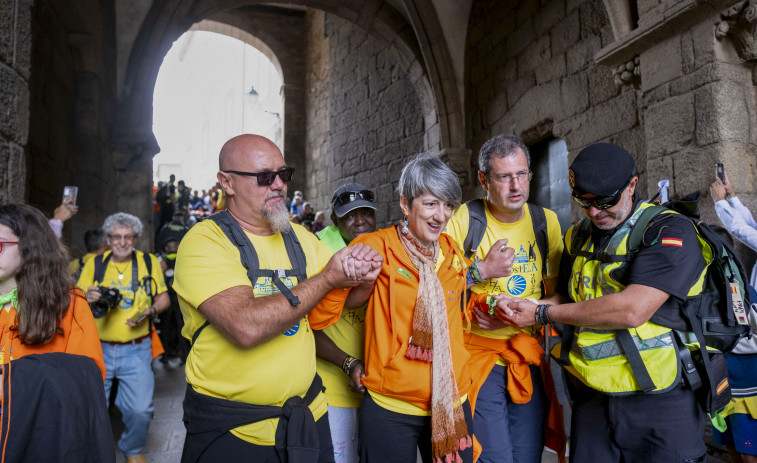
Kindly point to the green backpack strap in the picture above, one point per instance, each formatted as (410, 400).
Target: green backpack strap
(636, 236)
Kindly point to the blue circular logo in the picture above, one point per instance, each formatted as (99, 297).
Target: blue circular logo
(293, 330)
(516, 285)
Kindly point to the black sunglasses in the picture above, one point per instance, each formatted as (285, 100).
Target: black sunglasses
(268, 177)
(349, 196)
(601, 202)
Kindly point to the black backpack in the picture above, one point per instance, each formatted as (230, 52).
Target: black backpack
(477, 228)
(709, 314)
(249, 259)
(101, 264)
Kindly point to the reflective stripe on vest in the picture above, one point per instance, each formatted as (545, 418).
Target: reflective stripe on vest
(596, 357)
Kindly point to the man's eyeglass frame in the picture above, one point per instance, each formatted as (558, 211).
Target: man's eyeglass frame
(268, 177)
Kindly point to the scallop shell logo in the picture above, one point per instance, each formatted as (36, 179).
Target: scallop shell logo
(571, 178)
(516, 285)
(293, 330)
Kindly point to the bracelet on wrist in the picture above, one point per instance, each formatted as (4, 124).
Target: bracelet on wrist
(474, 275)
(347, 364)
(491, 301)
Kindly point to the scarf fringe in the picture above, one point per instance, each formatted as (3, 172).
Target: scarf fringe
(418, 353)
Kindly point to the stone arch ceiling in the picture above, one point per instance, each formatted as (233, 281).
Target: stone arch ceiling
(412, 34)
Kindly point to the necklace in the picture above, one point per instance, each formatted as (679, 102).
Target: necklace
(121, 272)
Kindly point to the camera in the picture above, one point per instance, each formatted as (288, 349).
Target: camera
(109, 299)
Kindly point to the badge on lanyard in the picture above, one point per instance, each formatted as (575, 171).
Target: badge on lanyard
(737, 304)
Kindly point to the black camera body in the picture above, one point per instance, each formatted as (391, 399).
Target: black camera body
(109, 299)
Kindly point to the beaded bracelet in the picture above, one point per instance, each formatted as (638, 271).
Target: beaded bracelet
(347, 364)
(474, 275)
(542, 314)
(491, 301)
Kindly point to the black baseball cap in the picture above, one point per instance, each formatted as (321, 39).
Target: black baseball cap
(601, 169)
(352, 196)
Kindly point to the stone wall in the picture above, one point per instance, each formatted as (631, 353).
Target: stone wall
(15, 70)
(364, 117)
(530, 71)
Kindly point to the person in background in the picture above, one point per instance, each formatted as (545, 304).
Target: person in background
(125, 327)
(318, 222)
(307, 212)
(95, 243)
(43, 313)
(340, 346)
(741, 413)
(61, 214)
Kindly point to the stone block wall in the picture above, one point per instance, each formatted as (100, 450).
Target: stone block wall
(15, 71)
(364, 118)
(531, 71)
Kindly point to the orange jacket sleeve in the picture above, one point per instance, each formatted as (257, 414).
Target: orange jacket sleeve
(83, 338)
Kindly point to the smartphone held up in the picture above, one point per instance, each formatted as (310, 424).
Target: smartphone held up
(69, 195)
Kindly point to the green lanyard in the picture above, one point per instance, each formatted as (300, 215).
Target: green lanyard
(11, 297)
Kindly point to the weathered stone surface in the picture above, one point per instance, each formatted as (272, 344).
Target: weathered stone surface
(601, 85)
(17, 183)
(687, 52)
(599, 122)
(656, 170)
(23, 50)
(582, 53)
(4, 156)
(710, 73)
(669, 125)
(565, 33)
(645, 6)
(536, 54)
(721, 113)
(549, 15)
(14, 106)
(574, 95)
(519, 87)
(551, 70)
(661, 63)
(593, 18)
(7, 18)
(520, 38)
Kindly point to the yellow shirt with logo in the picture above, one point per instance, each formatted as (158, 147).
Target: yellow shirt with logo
(267, 374)
(113, 327)
(525, 280)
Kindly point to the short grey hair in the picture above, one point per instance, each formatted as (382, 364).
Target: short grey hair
(122, 220)
(502, 146)
(427, 173)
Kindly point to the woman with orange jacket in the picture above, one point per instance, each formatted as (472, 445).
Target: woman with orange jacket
(416, 371)
(42, 311)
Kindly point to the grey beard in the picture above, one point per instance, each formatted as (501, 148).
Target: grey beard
(278, 219)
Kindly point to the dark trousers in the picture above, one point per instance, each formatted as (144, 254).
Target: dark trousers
(650, 428)
(230, 449)
(389, 437)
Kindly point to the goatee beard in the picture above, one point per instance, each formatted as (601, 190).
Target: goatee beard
(278, 218)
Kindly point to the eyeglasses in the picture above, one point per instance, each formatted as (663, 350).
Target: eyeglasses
(122, 237)
(3, 243)
(523, 176)
(349, 196)
(601, 202)
(268, 177)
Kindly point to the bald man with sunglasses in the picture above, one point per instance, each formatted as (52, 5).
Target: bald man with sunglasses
(253, 393)
(605, 303)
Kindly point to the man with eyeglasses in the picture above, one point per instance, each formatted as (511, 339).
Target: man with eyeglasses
(125, 330)
(605, 301)
(253, 393)
(508, 397)
(340, 347)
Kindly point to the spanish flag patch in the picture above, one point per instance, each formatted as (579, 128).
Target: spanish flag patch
(672, 242)
(722, 386)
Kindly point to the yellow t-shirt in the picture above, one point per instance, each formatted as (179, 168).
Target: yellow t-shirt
(207, 264)
(525, 280)
(113, 327)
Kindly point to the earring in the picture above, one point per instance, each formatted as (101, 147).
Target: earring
(404, 225)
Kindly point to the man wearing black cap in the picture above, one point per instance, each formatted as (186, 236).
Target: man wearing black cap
(629, 402)
(353, 213)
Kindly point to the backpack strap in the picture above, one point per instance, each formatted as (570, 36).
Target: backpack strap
(539, 223)
(100, 266)
(634, 360)
(476, 226)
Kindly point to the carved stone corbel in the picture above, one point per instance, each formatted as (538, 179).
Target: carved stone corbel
(628, 73)
(740, 23)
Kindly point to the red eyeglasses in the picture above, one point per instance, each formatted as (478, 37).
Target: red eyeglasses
(3, 243)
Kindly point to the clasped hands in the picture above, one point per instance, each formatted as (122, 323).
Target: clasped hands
(509, 311)
(355, 265)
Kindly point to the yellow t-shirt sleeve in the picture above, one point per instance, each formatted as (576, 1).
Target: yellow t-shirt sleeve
(457, 227)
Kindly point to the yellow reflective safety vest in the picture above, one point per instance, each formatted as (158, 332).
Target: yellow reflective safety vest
(599, 357)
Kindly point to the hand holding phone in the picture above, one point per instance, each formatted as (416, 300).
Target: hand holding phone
(69, 195)
(138, 318)
(720, 172)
